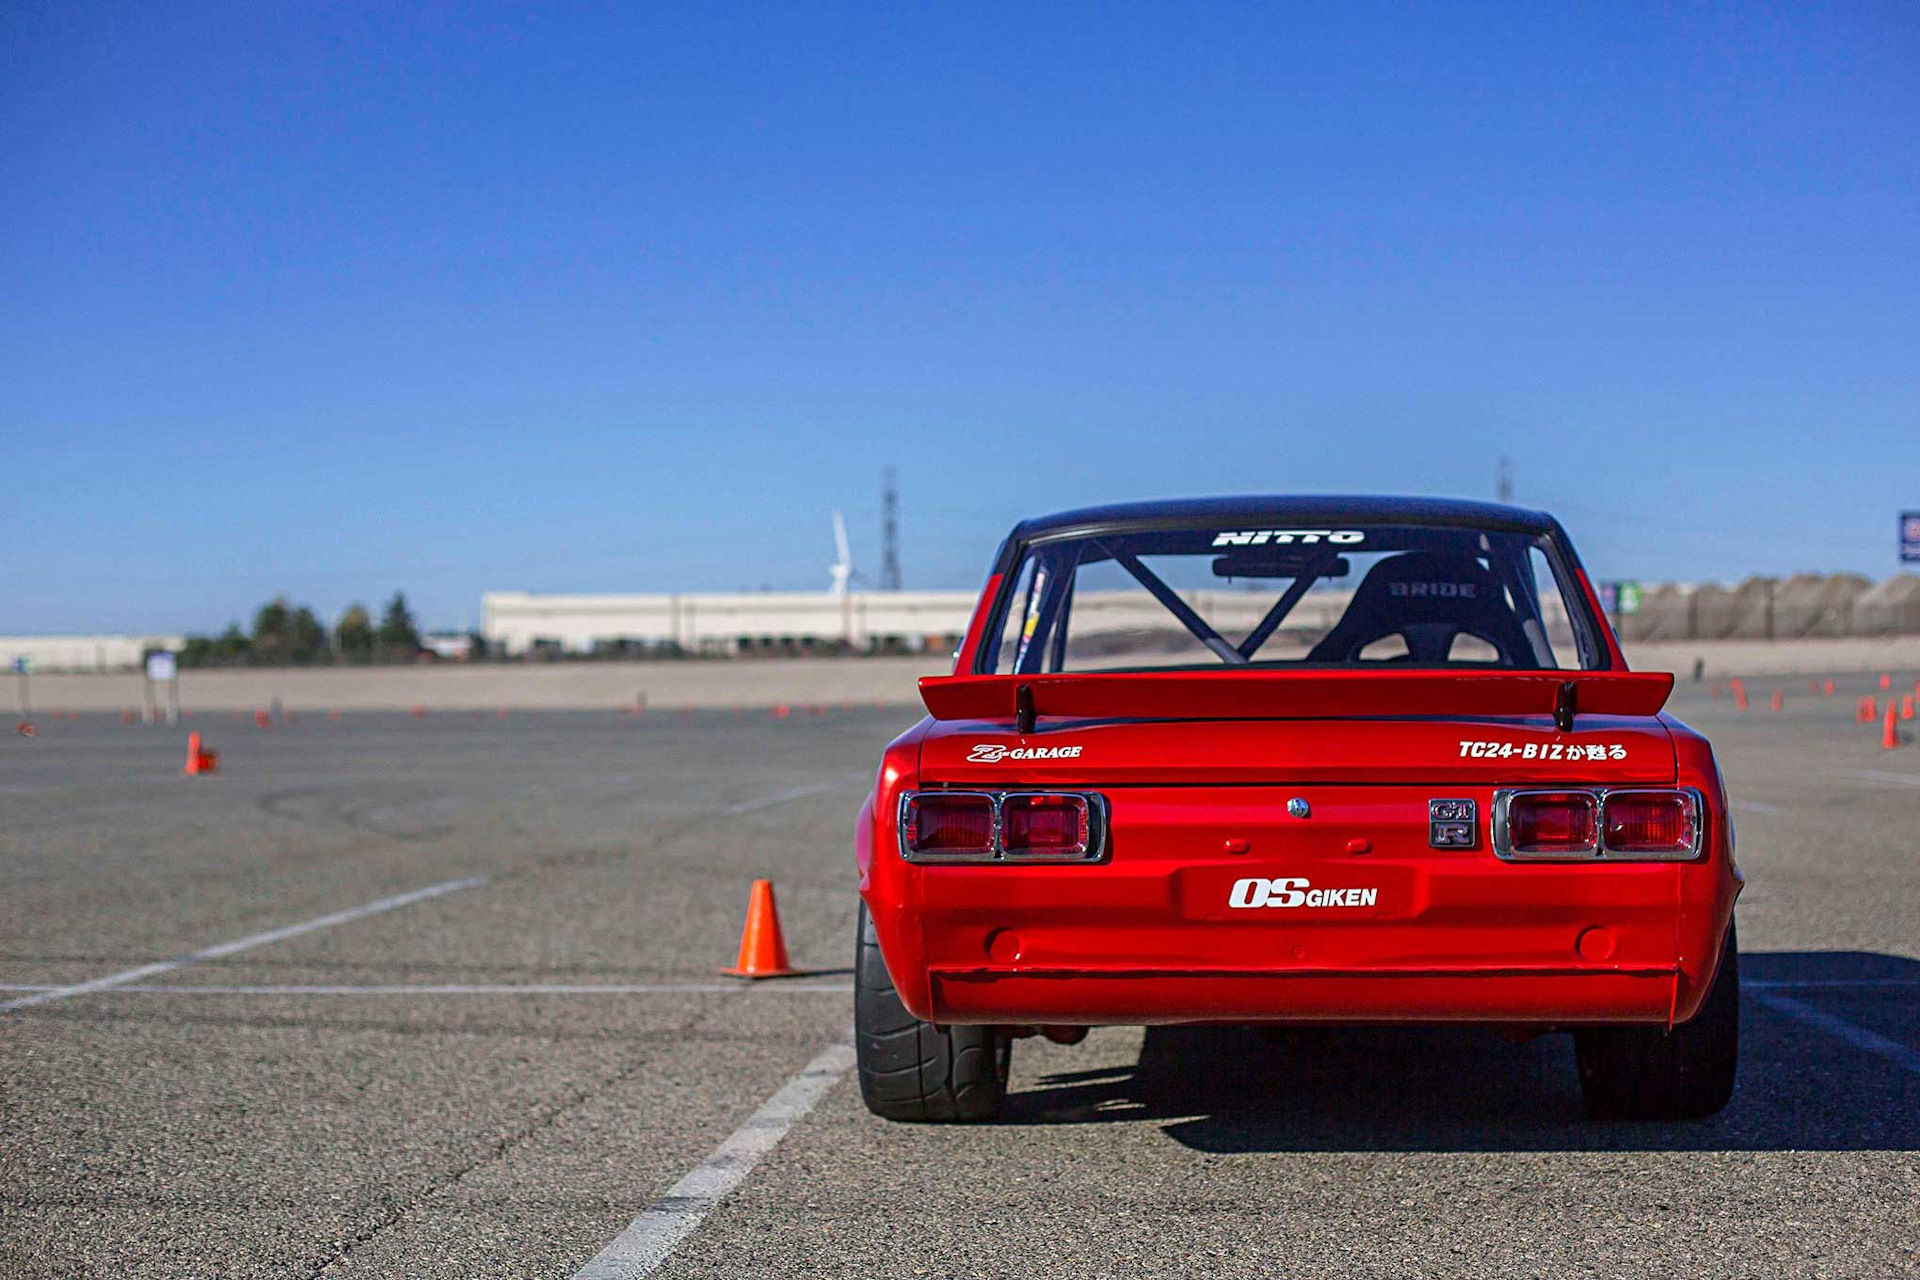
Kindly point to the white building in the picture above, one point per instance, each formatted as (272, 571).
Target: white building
(520, 621)
(912, 621)
(84, 653)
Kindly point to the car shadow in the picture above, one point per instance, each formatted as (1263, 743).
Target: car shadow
(1828, 1062)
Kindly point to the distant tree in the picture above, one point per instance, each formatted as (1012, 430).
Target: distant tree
(199, 651)
(306, 638)
(233, 645)
(353, 634)
(397, 634)
(270, 630)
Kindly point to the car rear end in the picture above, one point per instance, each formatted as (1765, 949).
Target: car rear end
(1299, 761)
(1318, 870)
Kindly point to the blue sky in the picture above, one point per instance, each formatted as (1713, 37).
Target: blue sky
(334, 301)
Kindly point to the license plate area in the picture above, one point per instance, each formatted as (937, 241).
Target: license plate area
(1271, 893)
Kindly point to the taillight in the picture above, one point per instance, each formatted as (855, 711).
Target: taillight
(1054, 826)
(948, 825)
(1554, 824)
(988, 826)
(1661, 823)
(1626, 824)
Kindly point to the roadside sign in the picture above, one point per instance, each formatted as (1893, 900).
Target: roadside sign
(162, 666)
(1910, 535)
(1619, 598)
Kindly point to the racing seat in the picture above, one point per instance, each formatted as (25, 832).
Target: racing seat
(1427, 598)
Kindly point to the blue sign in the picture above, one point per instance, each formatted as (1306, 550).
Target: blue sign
(1910, 535)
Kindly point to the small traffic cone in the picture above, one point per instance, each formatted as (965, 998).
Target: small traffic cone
(263, 720)
(1827, 688)
(1890, 730)
(1779, 699)
(763, 952)
(1906, 707)
(199, 761)
(781, 711)
(1739, 697)
(1864, 712)
(1886, 682)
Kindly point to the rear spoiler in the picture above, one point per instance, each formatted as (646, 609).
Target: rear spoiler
(1289, 695)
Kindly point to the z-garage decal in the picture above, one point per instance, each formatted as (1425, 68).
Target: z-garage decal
(995, 752)
(1481, 749)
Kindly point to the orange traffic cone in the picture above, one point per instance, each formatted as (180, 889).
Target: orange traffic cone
(1865, 712)
(198, 761)
(1890, 730)
(1906, 707)
(763, 952)
(1739, 697)
(1886, 682)
(1779, 699)
(1827, 688)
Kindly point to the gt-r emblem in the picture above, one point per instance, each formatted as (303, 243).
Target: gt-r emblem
(995, 752)
(1452, 824)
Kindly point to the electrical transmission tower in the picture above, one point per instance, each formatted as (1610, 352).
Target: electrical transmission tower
(889, 532)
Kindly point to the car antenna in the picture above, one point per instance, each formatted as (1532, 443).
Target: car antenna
(1023, 709)
(1564, 706)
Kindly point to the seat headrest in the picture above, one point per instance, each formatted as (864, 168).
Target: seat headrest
(1427, 597)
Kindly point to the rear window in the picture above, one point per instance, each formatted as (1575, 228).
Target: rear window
(1415, 596)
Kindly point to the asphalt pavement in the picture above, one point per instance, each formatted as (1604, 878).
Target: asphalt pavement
(438, 996)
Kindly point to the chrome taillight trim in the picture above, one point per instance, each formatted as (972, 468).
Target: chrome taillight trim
(993, 832)
(1503, 797)
(1096, 831)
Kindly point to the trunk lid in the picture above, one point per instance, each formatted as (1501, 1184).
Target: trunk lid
(1339, 726)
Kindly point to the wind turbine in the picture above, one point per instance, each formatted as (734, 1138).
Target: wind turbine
(841, 569)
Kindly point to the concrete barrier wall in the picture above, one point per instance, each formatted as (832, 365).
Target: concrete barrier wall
(669, 685)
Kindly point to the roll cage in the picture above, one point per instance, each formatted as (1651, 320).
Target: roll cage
(1047, 606)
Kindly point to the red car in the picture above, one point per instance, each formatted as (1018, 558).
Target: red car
(1295, 760)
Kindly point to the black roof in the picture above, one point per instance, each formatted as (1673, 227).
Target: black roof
(1291, 509)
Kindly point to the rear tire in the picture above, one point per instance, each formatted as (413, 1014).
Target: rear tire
(914, 1070)
(1651, 1073)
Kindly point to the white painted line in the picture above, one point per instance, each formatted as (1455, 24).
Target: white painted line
(1754, 806)
(1882, 775)
(1826, 983)
(462, 989)
(247, 943)
(642, 1247)
(791, 793)
(1859, 1037)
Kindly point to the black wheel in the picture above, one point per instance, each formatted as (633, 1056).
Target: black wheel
(914, 1070)
(1650, 1073)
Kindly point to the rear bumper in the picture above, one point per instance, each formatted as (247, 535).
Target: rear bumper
(1560, 997)
(1154, 935)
